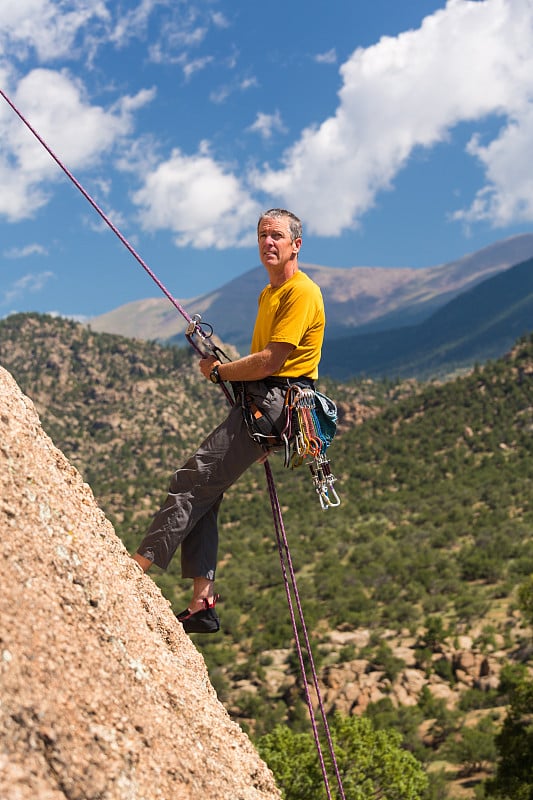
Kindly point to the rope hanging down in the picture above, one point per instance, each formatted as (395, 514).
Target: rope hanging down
(200, 340)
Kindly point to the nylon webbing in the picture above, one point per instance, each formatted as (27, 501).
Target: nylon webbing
(283, 545)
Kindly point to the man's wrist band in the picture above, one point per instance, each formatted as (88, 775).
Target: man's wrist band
(214, 375)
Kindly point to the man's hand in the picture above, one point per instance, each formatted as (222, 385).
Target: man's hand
(207, 364)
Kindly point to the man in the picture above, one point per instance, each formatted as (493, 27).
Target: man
(286, 346)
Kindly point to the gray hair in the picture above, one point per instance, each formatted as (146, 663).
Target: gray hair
(295, 225)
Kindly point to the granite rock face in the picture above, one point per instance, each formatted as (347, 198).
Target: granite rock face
(102, 693)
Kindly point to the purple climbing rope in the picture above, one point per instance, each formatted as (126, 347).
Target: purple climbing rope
(286, 563)
(98, 209)
(194, 327)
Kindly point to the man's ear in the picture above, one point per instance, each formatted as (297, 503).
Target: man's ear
(297, 243)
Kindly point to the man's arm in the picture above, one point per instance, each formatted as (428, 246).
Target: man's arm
(254, 367)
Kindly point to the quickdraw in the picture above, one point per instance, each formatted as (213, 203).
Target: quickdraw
(303, 438)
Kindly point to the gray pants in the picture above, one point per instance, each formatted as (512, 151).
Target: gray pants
(189, 515)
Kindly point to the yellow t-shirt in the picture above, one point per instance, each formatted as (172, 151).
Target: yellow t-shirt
(293, 313)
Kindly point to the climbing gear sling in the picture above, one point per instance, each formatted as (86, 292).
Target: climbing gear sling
(309, 425)
(200, 339)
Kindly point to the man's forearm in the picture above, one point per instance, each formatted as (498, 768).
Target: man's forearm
(253, 367)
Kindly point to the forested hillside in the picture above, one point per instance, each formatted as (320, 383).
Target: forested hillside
(480, 324)
(431, 541)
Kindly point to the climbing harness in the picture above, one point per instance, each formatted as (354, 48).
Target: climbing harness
(200, 337)
(310, 423)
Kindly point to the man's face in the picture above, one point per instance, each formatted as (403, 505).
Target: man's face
(276, 247)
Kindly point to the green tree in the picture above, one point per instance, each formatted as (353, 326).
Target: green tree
(293, 759)
(525, 599)
(475, 748)
(371, 763)
(514, 777)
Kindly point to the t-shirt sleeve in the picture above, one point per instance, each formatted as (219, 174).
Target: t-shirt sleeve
(295, 314)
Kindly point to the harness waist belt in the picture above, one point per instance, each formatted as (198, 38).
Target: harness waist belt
(283, 382)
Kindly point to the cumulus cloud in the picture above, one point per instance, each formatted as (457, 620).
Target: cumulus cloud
(507, 197)
(465, 62)
(56, 107)
(47, 27)
(200, 201)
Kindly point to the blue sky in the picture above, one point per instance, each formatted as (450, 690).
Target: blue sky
(399, 132)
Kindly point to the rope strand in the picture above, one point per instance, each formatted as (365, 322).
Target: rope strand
(286, 561)
(193, 322)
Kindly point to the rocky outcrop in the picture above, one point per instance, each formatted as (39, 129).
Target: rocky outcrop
(102, 694)
(349, 687)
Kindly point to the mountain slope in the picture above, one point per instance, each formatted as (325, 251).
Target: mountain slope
(408, 588)
(376, 298)
(480, 324)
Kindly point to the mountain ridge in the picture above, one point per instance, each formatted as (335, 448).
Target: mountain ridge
(479, 324)
(355, 297)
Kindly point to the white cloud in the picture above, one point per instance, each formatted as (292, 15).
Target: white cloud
(24, 252)
(32, 282)
(194, 65)
(96, 223)
(132, 23)
(220, 20)
(248, 83)
(77, 29)
(56, 107)
(266, 124)
(507, 197)
(466, 61)
(329, 57)
(183, 27)
(202, 203)
(221, 94)
(48, 27)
